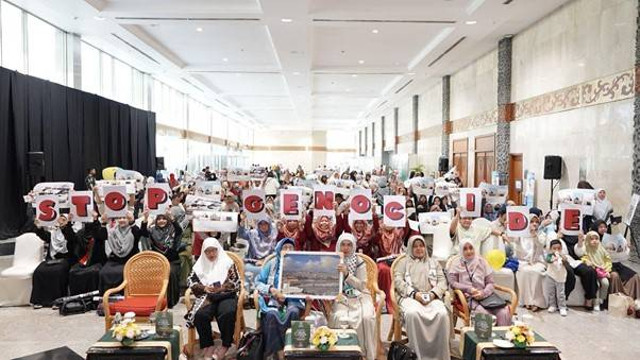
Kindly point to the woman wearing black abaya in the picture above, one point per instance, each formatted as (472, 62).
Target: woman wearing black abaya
(121, 245)
(51, 277)
(165, 237)
(84, 276)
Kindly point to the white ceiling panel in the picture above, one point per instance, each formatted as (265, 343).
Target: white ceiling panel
(244, 84)
(361, 84)
(180, 7)
(219, 43)
(263, 102)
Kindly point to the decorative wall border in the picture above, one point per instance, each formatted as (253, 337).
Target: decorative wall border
(480, 120)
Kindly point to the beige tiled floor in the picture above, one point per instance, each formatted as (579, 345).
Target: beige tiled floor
(581, 335)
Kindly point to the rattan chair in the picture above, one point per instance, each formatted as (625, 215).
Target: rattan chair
(240, 324)
(377, 296)
(395, 332)
(465, 314)
(146, 277)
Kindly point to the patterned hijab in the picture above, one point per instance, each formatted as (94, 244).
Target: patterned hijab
(351, 260)
(362, 237)
(324, 230)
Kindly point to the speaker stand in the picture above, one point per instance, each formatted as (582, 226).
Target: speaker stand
(551, 197)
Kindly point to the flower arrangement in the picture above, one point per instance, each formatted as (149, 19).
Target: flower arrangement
(520, 334)
(126, 330)
(324, 338)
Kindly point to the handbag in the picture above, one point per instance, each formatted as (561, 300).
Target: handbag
(400, 351)
(76, 306)
(251, 346)
(601, 273)
(493, 301)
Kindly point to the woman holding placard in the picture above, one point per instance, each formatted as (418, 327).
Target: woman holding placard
(165, 237)
(122, 243)
(51, 277)
(355, 305)
(215, 282)
(420, 287)
(275, 311)
(530, 275)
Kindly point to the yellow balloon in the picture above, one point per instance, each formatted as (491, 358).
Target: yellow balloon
(496, 259)
(109, 173)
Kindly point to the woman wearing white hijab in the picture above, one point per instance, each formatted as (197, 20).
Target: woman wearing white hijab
(215, 282)
(420, 287)
(531, 269)
(355, 302)
(602, 207)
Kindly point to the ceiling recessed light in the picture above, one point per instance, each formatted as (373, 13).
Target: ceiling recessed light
(286, 20)
(375, 31)
(354, 75)
(581, 64)
(411, 73)
(296, 73)
(348, 90)
(199, 29)
(99, 18)
(360, 62)
(471, 22)
(225, 59)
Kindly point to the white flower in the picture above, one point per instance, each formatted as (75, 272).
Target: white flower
(509, 335)
(324, 340)
(119, 337)
(130, 334)
(130, 315)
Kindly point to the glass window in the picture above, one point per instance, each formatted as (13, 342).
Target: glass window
(138, 89)
(45, 50)
(106, 80)
(123, 82)
(90, 58)
(12, 37)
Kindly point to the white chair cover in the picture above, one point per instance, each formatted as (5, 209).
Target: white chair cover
(15, 282)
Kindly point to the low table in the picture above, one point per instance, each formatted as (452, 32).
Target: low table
(347, 348)
(153, 347)
(474, 348)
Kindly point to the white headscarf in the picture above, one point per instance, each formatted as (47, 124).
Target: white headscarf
(601, 207)
(210, 272)
(351, 260)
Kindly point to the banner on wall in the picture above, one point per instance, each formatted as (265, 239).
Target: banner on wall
(253, 204)
(471, 202)
(395, 211)
(47, 209)
(323, 199)
(82, 206)
(570, 218)
(360, 204)
(115, 201)
(157, 198)
(291, 204)
(517, 221)
(205, 221)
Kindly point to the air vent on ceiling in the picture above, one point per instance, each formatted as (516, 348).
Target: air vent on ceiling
(183, 19)
(221, 103)
(381, 104)
(404, 86)
(447, 51)
(135, 48)
(192, 84)
(386, 21)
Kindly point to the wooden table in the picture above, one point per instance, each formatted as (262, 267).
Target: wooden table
(152, 348)
(474, 348)
(347, 348)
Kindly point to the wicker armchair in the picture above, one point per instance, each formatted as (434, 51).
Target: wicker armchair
(146, 277)
(376, 294)
(192, 342)
(395, 332)
(462, 311)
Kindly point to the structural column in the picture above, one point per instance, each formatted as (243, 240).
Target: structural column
(383, 143)
(395, 129)
(416, 108)
(635, 172)
(505, 108)
(446, 115)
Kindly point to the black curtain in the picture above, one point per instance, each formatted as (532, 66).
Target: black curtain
(75, 130)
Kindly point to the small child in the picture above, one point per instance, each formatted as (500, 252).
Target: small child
(556, 277)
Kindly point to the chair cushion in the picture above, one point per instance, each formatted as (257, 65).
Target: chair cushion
(142, 306)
